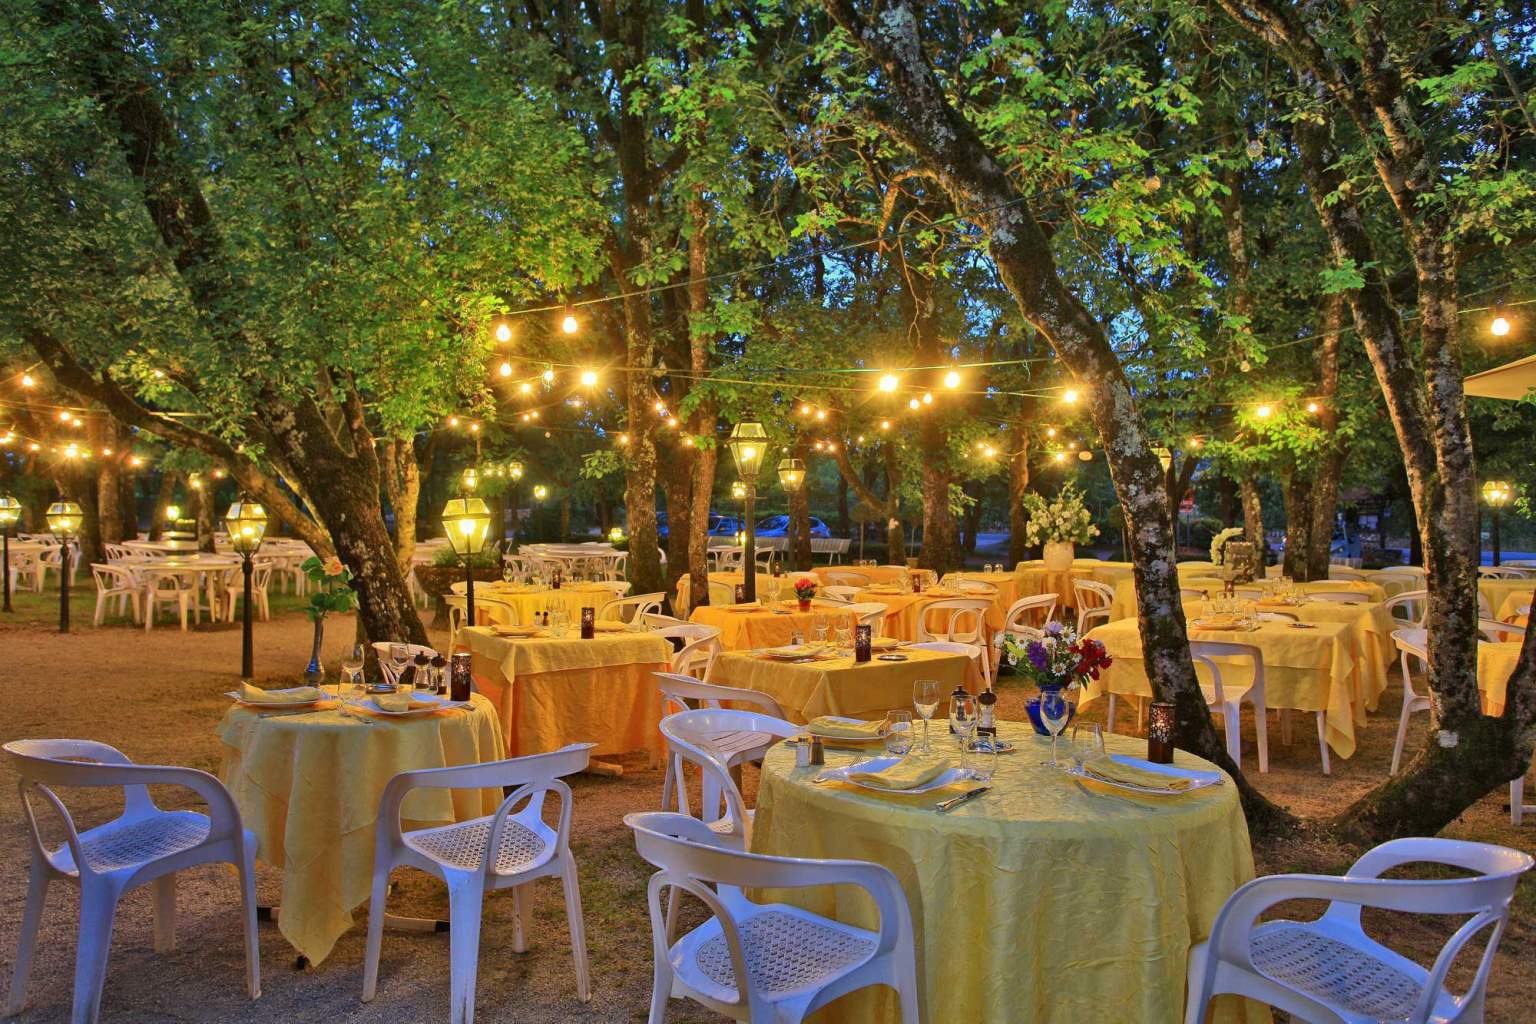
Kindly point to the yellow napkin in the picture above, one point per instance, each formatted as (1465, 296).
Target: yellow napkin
(610, 626)
(515, 630)
(904, 774)
(298, 695)
(1109, 769)
(400, 700)
(1219, 622)
(830, 726)
(883, 643)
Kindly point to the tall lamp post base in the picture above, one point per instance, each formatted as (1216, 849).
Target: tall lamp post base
(247, 652)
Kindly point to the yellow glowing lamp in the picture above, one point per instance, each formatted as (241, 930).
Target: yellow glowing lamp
(466, 521)
(540, 492)
(615, 535)
(589, 378)
(10, 511)
(64, 518)
(889, 382)
(515, 471)
(1499, 326)
(172, 513)
(791, 474)
(741, 537)
(501, 329)
(952, 379)
(470, 478)
(1497, 493)
(1164, 457)
(246, 521)
(748, 442)
(738, 490)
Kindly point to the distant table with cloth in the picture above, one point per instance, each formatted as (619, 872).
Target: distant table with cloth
(517, 603)
(309, 784)
(1036, 902)
(767, 587)
(772, 623)
(1497, 591)
(1007, 585)
(1034, 580)
(1495, 664)
(549, 691)
(1318, 669)
(1124, 604)
(1509, 608)
(838, 685)
(874, 573)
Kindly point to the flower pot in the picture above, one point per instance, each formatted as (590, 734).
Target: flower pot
(805, 604)
(1058, 555)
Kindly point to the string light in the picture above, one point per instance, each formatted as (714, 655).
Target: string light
(831, 447)
(1264, 412)
(27, 380)
(1498, 326)
(589, 378)
(549, 376)
(885, 424)
(859, 439)
(688, 442)
(1069, 396)
(1313, 407)
(821, 415)
(1050, 431)
(1194, 442)
(34, 447)
(914, 404)
(65, 417)
(474, 428)
(135, 462)
(569, 324)
(805, 409)
(927, 398)
(502, 329)
(672, 421)
(453, 421)
(952, 379)
(889, 382)
(525, 388)
(623, 439)
(1060, 456)
(506, 369)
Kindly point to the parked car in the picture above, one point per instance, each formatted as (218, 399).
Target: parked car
(719, 525)
(778, 526)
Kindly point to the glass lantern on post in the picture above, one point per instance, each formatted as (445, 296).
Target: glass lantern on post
(64, 521)
(792, 477)
(467, 522)
(748, 443)
(10, 515)
(246, 522)
(1497, 494)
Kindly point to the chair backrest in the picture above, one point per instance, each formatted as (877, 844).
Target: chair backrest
(953, 612)
(1413, 641)
(871, 614)
(690, 735)
(656, 620)
(1499, 632)
(1030, 612)
(846, 577)
(701, 646)
(1339, 572)
(1494, 572)
(1204, 652)
(972, 651)
(678, 690)
(388, 668)
(112, 577)
(692, 858)
(46, 765)
(966, 586)
(721, 593)
(1340, 596)
(630, 609)
(1092, 594)
(730, 558)
(1408, 581)
(1415, 601)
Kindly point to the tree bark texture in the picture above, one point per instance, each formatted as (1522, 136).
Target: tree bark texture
(1018, 486)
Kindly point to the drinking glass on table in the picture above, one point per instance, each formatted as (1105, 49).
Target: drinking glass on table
(842, 638)
(984, 757)
(1055, 709)
(962, 716)
(821, 630)
(399, 657)
(898, 732)
(1087, 743)
(925, 698)
(351, 674)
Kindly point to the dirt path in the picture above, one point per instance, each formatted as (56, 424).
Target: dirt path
(157, 697)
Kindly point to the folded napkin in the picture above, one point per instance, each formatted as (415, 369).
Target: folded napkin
(516, 630)
(883, 589)
(400, 700)
(792, 650)
(883, 643)
(745, 606)
(298, 695)
(907, 773)
(1107, 768)
(610, 626)
(839, 728)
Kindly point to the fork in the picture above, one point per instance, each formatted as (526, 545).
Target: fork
(1104, 796)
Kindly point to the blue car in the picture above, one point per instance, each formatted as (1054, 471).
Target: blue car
(778, 526)
(719, 525)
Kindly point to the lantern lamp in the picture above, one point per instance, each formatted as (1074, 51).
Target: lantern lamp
(246, 521)
(1496, 493)
(791, 473)
(10, 515)
(64, 521)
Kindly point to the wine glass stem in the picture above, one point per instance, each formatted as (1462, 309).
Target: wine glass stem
(1054, 735)
(926, 748)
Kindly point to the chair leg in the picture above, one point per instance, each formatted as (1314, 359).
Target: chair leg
(1322, 740)
(522, 917)
(1109, 715)
(164, 910)
(906, 991)
(101, 607)
(578, 928)
(31, 917)
(1233, 726)
(98, 908)
(1517, 801)
(1402, 734)
(376, 901)
(661, 990)
(247, 869)
(1261, 735)
(464, 907)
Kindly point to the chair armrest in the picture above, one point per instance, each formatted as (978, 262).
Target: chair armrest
(223, 815)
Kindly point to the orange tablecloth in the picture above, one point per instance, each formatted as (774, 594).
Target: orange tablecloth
(772, 624)
(552, 692)
(1036, 580)
(839, 686)
(875, 573)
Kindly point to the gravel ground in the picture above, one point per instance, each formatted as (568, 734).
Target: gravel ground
(157, 697)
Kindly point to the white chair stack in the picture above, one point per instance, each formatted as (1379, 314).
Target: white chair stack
(142, 846)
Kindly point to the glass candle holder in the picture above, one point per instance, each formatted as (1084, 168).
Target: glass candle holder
(863, 641)
(1160, 733)
(588, 623)
(458, 676)
(741, 593)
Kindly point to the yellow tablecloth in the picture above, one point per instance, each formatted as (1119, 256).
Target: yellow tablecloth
(550, 692)
(1495, 664)
(767, 587)
(876, 573)
(1509, 608)
(1036, 902)
(904, 610)
(1497, 591)
(773, 625)
(1124, 604)
(309, 785)
(839, 686)
(1317, 669)
(1396, 581)
(1035, 580)
(1007, 585)
(493, 601)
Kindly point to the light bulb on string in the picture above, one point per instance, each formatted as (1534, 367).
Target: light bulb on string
(889, 382)
(885, 424)
(1050, 431)
(505, 369)
(805, 409)
(914, 405)
(501, 329)
(453, 421)
(952, 379)
(1070, 396)
(927, 398)
(1499, 325)
(568, 323)
(1060, 456)
(27, 380)
(1313, 407)
(525, 388)
(549, 375)
(1264, 412)
(589, 378)
(821, 415)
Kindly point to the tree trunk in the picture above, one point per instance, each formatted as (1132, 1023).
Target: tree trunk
(677, 492)
(1330, 467)
(202, 496)
(1253, 510)
(165, 496)
(799, 540)
(1300, 499)
(401, 475)
(1018, 486)
(109, 507)
(844, 524)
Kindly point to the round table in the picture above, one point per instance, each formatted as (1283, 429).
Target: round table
(205, 571)
(309, 784)
(1039, 901)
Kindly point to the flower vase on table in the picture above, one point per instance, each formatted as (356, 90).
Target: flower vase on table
(805, 591)
(1059, 525)
(330, 590)
(1058, 555)
(1058, 661)
(314, 672)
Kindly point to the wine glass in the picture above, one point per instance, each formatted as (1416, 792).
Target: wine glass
(1055, 709)
(1087, 743)
(843, 640)
(925, 698)
(898, 732)
(508, 574)
(351, 671)
(399, 657)
(962, 717)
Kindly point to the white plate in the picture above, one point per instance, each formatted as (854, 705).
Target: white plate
(789, 653)
(875, 764)
(1198, 779)
(235, 696)
(438, 704)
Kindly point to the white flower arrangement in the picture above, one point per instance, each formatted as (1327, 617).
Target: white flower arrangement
(1219, 542)
(1063, 519)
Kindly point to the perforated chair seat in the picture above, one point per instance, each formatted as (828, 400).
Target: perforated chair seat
(786, 950)
(1379, 987)
(128, 843)
(462, 846)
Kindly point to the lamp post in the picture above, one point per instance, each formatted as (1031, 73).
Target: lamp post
(748, 442)
(467, 520)
(10, 513)
(792, 477)
(247, 524)
(1497, 494)
(64, 519)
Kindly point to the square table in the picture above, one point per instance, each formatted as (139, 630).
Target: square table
(517, 603)
(768, 587)
(552, 691)
(771, 624)
(1498, 590)
(1316, 669)
(838, 685)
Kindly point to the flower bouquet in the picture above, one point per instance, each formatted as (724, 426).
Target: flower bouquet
(805, 591)
(1058, 525)
(330, 590)
(1057, 660)
(1219, 543)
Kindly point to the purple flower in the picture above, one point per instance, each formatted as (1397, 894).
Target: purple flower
(1053, 628)
(1037, 655)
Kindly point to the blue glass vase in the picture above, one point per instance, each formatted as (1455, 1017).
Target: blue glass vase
(1032, 707)
(314, 672)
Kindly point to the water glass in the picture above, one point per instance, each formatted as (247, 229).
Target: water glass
(983, 761)
(898, 732)
(842, 638)
(351, 674)
(925, 698)
(962, 717)
(1087, 743)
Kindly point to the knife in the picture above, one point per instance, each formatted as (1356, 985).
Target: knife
(956, 801)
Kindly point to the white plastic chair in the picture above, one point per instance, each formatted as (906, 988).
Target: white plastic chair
(387, 666)
(1409, 642)
(1031, 612)
(693, 736)
(768, 963)
(1500, 572)
(234, 590)
(1415, 601)
(871, 614)
(458, 613)
(1339, 596)
(701, 646)
(630, 609)
(1093, 600)
(846, 577)
(179, 589)
(965, 623)
(1227, 696)
(979, 587)
(505, 850)
(840, 594)
(116, 588)
(143, 846)
(656, 620)
(1495, 631)
(721, 593)
(736, 746)
(1329, 970)
(1340, 572)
